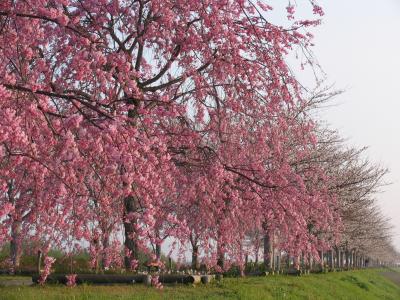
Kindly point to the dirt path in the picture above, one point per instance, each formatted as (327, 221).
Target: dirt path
(393, 276)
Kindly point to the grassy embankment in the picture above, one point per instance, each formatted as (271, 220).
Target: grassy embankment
(363, 284)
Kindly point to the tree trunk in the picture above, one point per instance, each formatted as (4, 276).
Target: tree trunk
(195, 257)
(267, 251)
(337, 257)
(220, 261)
(352, 259)
(158, 251)
(288, 262)
(104, 258)
(358, 261)
(16, 244)
(220, 256)
(278, 261)
(310, 262)
(295, 263)
(256, 256)
(321, 260)
(39, 261)
(130, 244)
(170, 263)
(331, 260)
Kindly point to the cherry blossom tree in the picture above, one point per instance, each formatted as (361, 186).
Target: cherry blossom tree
(115, 105)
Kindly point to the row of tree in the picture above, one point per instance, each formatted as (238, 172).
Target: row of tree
(124, 124)
(365, 233)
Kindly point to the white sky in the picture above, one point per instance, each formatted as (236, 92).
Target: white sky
(358, 46)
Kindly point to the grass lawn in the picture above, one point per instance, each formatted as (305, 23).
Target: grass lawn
(364, 284)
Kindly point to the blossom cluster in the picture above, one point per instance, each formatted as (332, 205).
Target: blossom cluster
(154, 120)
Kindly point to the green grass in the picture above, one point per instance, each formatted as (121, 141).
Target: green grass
(365, 284)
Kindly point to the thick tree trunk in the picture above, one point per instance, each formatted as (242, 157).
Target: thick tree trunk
(130, 203)
(195, 257)
(16, 244)
(268, 255)
(220, 257)
(129, 228)
(220, 261)
(158, 251)
(104, 258)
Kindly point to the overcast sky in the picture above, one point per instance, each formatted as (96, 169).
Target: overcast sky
(358, 46)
